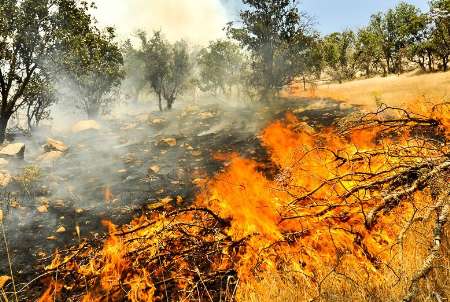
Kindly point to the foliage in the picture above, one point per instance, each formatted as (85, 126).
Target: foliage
(440, 38)
(277, 35)
(179, 71)
(134, 68)
(167, 67)
(220, 66)
(26, 38)
(396, 29)
(369, 51)
(93, 65)
(339, 54)
(39, 96)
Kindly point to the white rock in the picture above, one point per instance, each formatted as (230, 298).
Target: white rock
(3, 162)
(16, 150)
(55, 145)
(85, 125)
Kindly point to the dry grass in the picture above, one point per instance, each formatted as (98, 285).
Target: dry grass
(393, 90)
(345, 282)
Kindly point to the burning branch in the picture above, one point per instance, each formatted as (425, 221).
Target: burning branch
(336, 203)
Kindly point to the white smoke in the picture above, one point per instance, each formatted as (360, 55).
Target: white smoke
(197, 21)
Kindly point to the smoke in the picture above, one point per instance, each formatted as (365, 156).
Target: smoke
(197, 21)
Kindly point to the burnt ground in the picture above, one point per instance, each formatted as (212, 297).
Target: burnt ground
(133, 161)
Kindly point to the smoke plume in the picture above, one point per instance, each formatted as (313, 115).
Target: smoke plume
(197, 21)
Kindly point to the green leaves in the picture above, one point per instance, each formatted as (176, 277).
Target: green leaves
(277, 35)
(220, 66)
(167, 66)
(91, 61)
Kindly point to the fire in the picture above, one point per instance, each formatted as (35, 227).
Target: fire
(316, 214)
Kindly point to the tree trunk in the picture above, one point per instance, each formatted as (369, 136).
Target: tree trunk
(170, 102)
(445, 63)
(3, 125)
(388, 64)
(430, 61)
(160, 102)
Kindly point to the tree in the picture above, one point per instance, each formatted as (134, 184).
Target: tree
(396, 30)
(156, 53)
(39, 96)
(271, 30)
(26, 39)
(134, 67)
(369, 52)
(339, 54)
(93, 65)
(310, 61)
(440, 39)
(220, 65)
(167, 67)
(178, 73)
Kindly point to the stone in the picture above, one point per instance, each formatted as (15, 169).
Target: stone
(42, 209)
(55, 145)
(3, 162)
(16, 150)
(86, 125)
(172, 142)
(155, 169)
(157, 121)
(61, 229)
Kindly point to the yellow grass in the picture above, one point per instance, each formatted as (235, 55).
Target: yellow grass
(393, 90)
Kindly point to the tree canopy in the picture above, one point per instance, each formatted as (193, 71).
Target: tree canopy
(276, 34)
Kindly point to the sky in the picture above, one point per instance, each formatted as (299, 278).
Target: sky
(200, 21)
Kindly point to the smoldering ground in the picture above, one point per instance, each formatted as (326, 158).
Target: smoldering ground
(137, 158)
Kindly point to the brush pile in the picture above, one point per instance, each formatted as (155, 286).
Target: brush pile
(361, 206)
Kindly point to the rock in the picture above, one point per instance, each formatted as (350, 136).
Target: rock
(5, 178)
(50, 156)
(196, 153)
(172, 142)
(42, 209)
(61, 229)
(85, 126)
(157, 121)
(155, 169)
(16, 150)
(55, 145)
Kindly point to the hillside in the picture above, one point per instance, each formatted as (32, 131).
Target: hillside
(393, 90)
